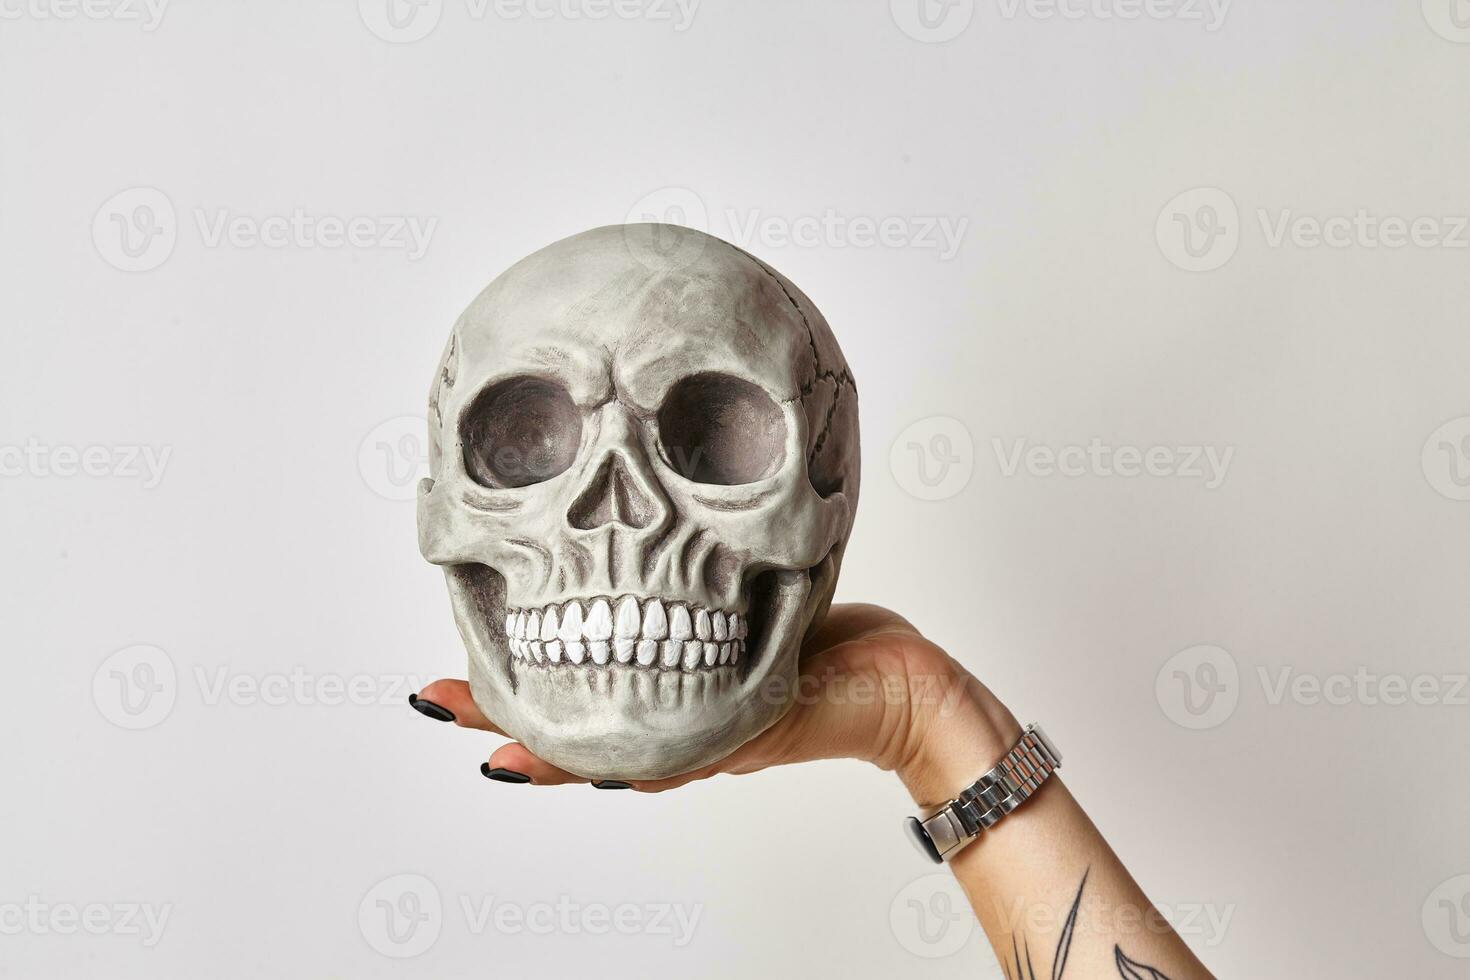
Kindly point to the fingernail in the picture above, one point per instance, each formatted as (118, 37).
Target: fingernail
(429, 709)
(610, 784)
(503, 775)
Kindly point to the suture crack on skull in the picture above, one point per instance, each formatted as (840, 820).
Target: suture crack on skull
(644, 468)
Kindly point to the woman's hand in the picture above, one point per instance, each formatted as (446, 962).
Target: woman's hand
(1043, 880)
(871, 688)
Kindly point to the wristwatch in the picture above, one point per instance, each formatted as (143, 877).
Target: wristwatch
(981, 804)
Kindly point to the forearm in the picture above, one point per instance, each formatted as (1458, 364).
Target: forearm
(1053, 898)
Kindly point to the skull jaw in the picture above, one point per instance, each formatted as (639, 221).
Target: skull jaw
(626, 722)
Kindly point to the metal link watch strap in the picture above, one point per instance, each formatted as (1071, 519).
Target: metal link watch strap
(981, 805)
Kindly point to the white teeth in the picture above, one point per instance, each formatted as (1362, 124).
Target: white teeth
(627, 621)
(652, 632)
(571, 623)
(599, 621)
(655, 623)
(679, 626)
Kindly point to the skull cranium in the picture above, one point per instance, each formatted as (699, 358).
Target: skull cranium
(644, 470)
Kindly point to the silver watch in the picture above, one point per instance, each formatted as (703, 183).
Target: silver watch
(981, 804)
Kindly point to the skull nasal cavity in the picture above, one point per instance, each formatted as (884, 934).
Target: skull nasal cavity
(612, 497)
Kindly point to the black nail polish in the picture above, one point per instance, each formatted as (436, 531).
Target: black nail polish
(429, 709)
(503, 775)
(610, 784)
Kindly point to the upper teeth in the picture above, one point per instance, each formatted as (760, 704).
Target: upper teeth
(645, 632)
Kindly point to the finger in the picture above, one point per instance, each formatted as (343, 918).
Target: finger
(454, 698)
(515, 759)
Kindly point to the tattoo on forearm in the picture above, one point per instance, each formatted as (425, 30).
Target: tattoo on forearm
(1020, 968)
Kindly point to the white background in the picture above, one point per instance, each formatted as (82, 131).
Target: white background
(1331, 834)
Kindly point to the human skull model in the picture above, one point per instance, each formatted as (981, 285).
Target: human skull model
(643, 473)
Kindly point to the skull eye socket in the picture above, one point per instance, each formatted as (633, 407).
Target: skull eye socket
(519, 432)
(718, 429)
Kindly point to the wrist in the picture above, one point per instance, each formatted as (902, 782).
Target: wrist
(951, 743)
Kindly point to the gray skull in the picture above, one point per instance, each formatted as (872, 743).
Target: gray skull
(644, 470)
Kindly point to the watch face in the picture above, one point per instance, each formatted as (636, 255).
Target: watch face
(921, 840)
